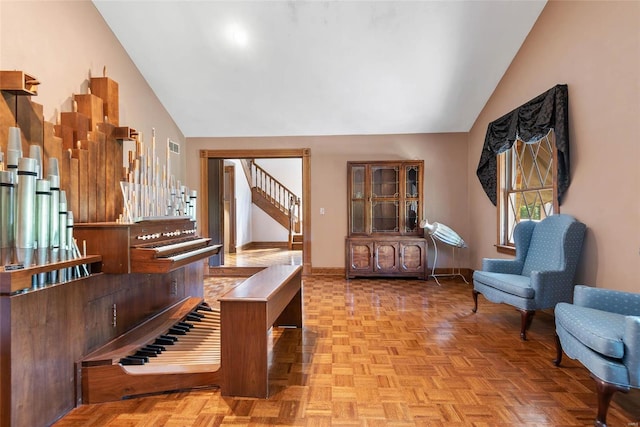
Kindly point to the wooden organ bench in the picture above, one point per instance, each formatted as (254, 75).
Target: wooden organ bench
(272, 297)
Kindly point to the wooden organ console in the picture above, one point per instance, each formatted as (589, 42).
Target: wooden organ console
(150, 246)
(186, 344)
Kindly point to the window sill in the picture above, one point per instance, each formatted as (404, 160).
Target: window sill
(503, 249)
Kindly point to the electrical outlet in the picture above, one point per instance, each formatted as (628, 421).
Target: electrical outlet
(321, 211)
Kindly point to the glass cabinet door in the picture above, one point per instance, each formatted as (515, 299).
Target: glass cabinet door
(384, 181)
(385, 197)
(412, 182)
(411, 216)
(385, 189)
(358, 222)
(412, 198)
(385, 216)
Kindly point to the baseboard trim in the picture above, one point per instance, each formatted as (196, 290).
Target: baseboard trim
(233, 271)
(338, 271)
(328, 271)
(263, 245)
(316, 271)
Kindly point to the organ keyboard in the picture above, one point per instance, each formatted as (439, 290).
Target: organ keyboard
(148, 246)
(195, 340)
(177, 349)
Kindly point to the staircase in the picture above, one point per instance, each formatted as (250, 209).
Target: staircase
(276, 200)
(295, 243)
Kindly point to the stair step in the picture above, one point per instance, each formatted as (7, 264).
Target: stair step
(296, 242)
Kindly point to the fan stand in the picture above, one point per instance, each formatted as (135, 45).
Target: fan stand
(455, 271)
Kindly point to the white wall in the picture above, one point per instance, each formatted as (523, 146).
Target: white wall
(266, 229)
(243, 206)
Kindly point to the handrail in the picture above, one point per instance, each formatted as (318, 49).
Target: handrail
(294, 212)
(277, 193)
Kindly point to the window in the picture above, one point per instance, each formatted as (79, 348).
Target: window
(527, 184)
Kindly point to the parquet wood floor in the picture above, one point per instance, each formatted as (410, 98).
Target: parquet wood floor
(392, 353)
(261, 257)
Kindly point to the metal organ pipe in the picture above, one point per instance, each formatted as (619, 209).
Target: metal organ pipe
(36, 153)
(35, 225)
(193, 212)
(69, 231)
(43, 212)
(25, 210)
(70, 244)
(54, 214)
(14, 151)
(54, 211)
(62, 212)
(7, 216)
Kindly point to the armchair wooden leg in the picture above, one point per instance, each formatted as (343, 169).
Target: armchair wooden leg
(475, 300)
(605, 392)
(526, 319)
(558, 358)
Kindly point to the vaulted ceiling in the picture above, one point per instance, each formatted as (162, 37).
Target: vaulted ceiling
(273, 68)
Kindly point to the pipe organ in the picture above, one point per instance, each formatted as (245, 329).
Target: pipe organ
(84, 260)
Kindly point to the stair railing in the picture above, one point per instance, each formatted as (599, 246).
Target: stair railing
(279, 195)
(294, 212)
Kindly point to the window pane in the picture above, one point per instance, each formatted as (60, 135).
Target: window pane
(527, 174)
(545, 162)
(532, 165)
(528, 206)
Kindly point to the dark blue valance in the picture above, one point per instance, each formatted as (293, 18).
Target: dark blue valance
(529, 122)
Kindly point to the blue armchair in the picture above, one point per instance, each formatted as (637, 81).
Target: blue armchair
(542, 273)
(601, 329)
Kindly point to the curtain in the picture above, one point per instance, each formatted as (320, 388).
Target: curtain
(529, 122)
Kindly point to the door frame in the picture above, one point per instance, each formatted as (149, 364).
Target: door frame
(230, 171)
(298, 153)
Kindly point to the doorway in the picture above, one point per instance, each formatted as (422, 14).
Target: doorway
(212, 223)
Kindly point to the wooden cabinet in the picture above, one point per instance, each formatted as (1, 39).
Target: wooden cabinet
(384, 206)
(386, 256)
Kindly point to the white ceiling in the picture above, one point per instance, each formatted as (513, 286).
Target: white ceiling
(273, 68)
